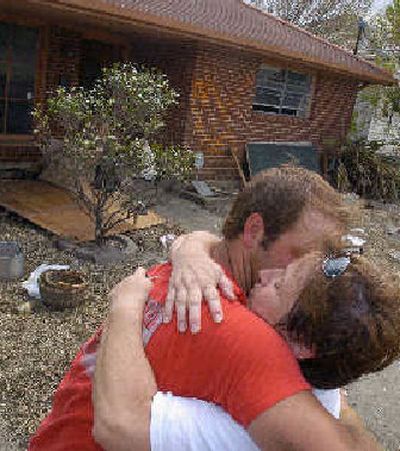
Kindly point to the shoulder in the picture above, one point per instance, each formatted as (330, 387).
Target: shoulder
(250, 336)
(261, 368)
(251, 360)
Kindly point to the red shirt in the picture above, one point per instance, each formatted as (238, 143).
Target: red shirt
(241, 364)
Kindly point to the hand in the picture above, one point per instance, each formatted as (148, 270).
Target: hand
(195, 276)
(132, 292)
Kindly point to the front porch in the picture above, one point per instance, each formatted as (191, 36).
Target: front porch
(59, 48)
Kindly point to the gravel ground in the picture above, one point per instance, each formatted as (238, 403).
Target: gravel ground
(36, 349)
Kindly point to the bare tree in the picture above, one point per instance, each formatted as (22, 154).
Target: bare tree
(336, 20)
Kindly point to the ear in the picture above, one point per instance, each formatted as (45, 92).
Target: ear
(253, 232)
(301, 351)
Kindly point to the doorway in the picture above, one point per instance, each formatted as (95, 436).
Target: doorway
(18, 54)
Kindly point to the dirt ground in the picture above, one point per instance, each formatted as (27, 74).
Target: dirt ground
(36, 349)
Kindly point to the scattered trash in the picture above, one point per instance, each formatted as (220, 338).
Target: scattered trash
(116, 249)
(354, 241)
(395, 255)
(392, 230)
(32, 284)
(11, 260)
(358, 231)
(25, 307)
(63, 289)
(202, 188)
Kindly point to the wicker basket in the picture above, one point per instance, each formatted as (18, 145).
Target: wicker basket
(63, 289)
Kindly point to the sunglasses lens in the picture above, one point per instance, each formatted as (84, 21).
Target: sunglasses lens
(334, 267)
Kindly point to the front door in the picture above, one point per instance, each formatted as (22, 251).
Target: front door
(18, 53)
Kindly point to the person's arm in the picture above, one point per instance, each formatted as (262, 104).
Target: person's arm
(124, 384)
(195, 276)
(300, 423)
(350, 418)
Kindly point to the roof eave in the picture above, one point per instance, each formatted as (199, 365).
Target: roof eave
(96, 7)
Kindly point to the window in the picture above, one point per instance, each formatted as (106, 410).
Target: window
(95, 56)
(17, 78)
(281, 91)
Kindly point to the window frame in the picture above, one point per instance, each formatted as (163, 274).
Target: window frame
(7, 98)
(283, 91)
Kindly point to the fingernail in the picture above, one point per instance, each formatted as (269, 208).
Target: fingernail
(217, 317)
(166, 319)
(195, 328)
(182, 326)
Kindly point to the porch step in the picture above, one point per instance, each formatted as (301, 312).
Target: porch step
(219, 161)
(19, 160)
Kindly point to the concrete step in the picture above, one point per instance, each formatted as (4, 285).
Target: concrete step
(219, 161)
(218, 173)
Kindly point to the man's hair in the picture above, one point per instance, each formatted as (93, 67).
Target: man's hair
(353, 321)
(280, 195)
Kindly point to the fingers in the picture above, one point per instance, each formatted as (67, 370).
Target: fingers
(169, 305)
(181, 297)
(226, 286)
(181, 314)
(188, 286)
(195, 298)
(212, 297)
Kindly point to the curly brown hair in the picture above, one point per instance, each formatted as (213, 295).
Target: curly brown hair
(280, 195)
(353, 321)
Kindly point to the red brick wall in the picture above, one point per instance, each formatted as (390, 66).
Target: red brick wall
(221, 106)
(63, 58)
(217, 88)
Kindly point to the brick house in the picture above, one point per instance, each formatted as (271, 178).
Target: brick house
(244, 76)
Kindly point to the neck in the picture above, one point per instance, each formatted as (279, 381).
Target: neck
(236, 258)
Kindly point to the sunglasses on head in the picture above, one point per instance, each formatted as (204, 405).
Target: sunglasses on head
(335, 266)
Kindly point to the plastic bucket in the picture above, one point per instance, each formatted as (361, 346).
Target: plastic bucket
(11, 261)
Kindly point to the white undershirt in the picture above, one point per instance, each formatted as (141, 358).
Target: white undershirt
(188, 424)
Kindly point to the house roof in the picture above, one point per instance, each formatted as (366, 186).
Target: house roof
(235, 23)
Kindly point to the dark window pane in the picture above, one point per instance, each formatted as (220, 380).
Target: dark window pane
(17, 77)
(24, 45)
(298, 79)
(2, 108)
(282, 92)
(19, 118)
(293, 100)
(289, 112)
(3, 79)
(95, 56)
(4, 38)
(22, 83)
(268, 96)
(266, 76)
(266, 108)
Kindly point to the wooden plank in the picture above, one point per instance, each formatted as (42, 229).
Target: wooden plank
(55, 209)
(239, 167)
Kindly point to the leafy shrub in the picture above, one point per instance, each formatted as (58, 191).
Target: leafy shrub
(108, 134)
